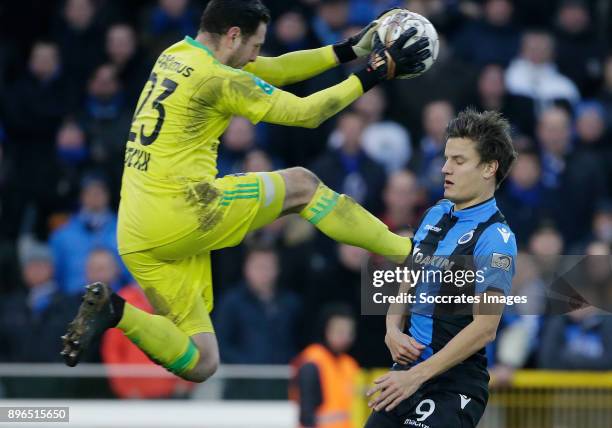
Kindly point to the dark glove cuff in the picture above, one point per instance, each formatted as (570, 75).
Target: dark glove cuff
(368, 78)
(344, 52)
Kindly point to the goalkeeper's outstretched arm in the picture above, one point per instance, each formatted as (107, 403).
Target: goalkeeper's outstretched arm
(293, 67)
(298, 66)
(244, 94)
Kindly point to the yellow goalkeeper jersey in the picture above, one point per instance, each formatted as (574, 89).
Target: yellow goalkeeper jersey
(185, 106)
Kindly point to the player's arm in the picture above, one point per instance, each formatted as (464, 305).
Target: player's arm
(297, 66)
(403, 348)
(293, 67)
(475, 336)
(237, 92)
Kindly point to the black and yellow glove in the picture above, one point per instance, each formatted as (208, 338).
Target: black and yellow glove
(361, 44)
(386, 63)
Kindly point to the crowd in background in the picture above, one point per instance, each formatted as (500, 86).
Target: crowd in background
(70, 75)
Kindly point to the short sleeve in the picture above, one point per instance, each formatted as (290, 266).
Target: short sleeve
(495, 259)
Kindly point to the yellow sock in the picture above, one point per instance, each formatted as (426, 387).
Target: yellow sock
(162, 341)
(344, 220)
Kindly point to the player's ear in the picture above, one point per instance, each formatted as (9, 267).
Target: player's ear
(490, 169)
(234, 35)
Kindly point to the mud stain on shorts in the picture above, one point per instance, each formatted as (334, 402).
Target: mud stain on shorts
(204, 197)
(159, 303)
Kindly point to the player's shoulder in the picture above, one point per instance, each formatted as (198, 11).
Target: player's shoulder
(498, 236)
(443, 206)
(434, 213)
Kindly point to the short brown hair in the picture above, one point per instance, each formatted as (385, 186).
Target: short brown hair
(220, 15)
(491, 133)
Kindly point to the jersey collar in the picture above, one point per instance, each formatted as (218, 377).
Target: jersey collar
(484, 209)
(194, 42)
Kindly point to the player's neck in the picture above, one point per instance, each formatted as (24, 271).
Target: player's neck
(214, 46)
(475, 201)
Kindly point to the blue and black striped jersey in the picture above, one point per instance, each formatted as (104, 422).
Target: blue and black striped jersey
(476, 238)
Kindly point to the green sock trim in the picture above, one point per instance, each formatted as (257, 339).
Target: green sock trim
(181, 365)
(326, 208)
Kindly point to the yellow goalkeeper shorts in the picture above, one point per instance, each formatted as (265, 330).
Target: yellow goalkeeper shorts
(177, 277)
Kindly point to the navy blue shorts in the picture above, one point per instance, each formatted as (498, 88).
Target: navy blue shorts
(432, 406)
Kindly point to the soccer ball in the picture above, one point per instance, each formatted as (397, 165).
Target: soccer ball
(394, 25)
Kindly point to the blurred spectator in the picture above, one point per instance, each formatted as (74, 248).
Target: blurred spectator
(605, 95)
(257, 321)
(340, 281)
(579, 51)
(41, 97)
(372, 105)
(237, 141)
(429, 159)
(101, 266)
(580, 340)
(533, 73)
(107, 117)
(387, 143)
(545, 246)
(528, 282)
(602, 223)
(116, 348)
(592, 135)
(492, 95)
(545, 241)
(33, 319)
(496, 38)
(347, 169)
(524, 199)
(80, 39)
(329, 21)
(591, 126)
(324, 376)
(384, 141)
(257, 161)
(52, 193)
(576, 176)
(601, 228)
(94, 226)
(402, 197)
(290, 32)
(72, 158)
(554, 134)
(131, 65)
(169, 22)
(337, 282)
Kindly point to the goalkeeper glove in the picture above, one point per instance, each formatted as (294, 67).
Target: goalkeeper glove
(360, 44)
(386, 63)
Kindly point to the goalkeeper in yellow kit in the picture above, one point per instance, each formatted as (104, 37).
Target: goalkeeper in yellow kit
(174, 211)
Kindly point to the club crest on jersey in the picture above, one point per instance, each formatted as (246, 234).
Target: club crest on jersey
(501, 261)
(266, 87)
(466, 237)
